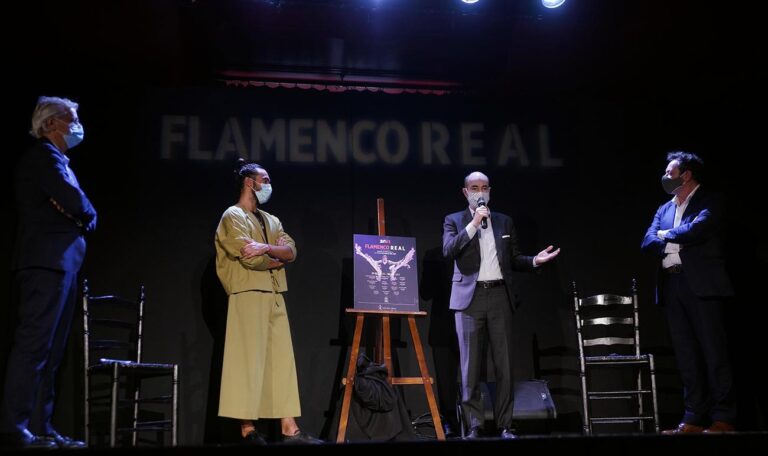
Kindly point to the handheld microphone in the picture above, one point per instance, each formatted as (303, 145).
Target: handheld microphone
(480, 203)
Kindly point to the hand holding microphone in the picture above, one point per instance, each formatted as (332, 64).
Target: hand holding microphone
(483, 210)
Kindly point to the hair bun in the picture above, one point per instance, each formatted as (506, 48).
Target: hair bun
(240, 163)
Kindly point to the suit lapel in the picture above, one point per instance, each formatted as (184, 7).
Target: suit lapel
(692, 207)
(474, 244)
(669, 217)
(466, 217)
(498, 231)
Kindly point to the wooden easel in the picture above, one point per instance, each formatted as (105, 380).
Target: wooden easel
(386, 349)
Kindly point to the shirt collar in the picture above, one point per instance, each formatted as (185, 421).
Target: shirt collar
(688, 198)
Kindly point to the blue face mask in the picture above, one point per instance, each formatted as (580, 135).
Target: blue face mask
(75, 135)
(263, 195)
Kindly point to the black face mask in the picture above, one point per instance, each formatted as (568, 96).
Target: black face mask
(671, 185)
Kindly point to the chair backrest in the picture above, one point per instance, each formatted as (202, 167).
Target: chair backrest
(112, 327)
(607, 323)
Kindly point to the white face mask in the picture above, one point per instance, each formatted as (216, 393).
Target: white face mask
(473, 197)
(262, 196)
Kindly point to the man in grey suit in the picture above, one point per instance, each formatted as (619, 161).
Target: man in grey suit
(483, 247)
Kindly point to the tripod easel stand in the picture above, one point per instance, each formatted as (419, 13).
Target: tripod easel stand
(386, 349)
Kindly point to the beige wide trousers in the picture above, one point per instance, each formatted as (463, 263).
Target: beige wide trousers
(258, 378)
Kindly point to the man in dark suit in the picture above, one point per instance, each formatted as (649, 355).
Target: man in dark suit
(692, 286)
(54, 214)
(483, 247)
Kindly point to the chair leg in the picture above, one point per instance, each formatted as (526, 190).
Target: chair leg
(641, 423)
(87, 408)
(113, 406)
(653, 394)
(136, 395)
(585, 403)
(175, 412)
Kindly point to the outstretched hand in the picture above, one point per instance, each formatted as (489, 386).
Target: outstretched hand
(546, 255)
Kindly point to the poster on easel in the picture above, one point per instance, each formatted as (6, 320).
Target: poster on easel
(386, 276)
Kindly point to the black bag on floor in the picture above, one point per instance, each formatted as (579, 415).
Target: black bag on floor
(377, 412)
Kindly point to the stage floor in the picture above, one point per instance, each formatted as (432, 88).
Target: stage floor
(735, 444)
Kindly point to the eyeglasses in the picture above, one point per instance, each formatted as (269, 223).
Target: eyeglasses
(74, 120)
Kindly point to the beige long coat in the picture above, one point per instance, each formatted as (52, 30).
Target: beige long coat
(258, 378)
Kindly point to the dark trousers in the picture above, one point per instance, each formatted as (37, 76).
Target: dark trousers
(488, 318)
(46, 300)
(699, 341)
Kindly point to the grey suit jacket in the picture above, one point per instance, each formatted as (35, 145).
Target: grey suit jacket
(465, 254)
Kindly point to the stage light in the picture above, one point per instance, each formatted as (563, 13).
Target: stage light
(552, 3)
(470, 1)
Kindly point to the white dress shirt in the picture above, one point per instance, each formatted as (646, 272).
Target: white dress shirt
(672, 249)
(489, 260)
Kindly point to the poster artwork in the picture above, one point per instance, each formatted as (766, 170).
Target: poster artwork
(386, 275)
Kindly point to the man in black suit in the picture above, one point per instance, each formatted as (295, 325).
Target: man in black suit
(693, 286)
(54, 215)
(483, 248)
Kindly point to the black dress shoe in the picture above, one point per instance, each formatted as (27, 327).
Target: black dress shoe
(253, 438)
(684, 428)
(27, 440)
(473, 434)
(301, 437)
(62, 441)
(506, 434)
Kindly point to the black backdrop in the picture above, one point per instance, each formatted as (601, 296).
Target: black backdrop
(611, 130)
(157, 218)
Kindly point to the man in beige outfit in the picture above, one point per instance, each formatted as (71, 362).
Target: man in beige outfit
(258, 378)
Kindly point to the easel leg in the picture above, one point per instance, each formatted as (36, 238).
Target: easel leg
(386, 332)
(344, 418)
(426, 379)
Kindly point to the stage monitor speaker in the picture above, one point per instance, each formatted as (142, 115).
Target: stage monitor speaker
(533, 401)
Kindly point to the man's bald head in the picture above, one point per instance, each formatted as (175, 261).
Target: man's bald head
(476, 176)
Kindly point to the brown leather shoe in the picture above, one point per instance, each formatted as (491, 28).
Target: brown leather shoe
(719, 427)
(684, 428)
